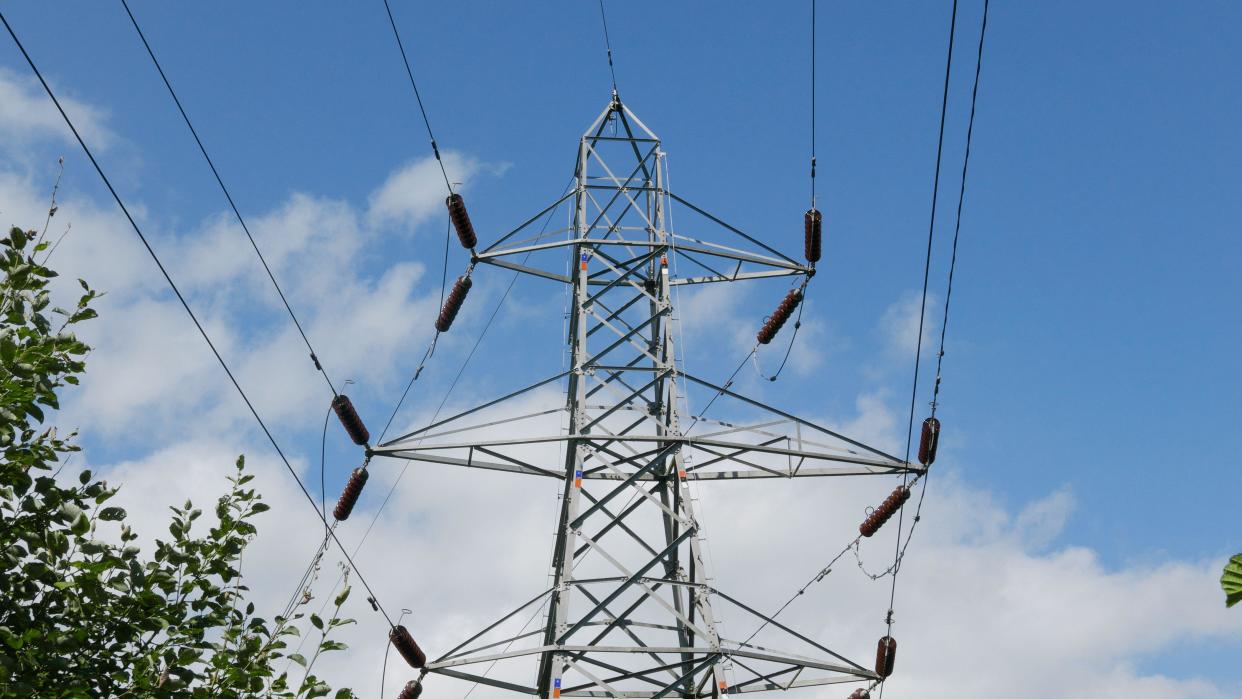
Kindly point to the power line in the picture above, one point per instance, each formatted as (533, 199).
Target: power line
(608, 46)
(435, 148)
(812, 104)
(918, 353)
(220, 181)
(961, 197)
(184, 304)
(970, 127)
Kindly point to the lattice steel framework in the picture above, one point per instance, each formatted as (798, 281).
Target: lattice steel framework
(630, 611)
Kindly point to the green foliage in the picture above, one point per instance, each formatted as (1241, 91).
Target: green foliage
(83, 612)
(1231, 581)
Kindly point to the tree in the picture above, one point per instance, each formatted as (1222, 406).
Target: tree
(1231, 581)
(83, 611)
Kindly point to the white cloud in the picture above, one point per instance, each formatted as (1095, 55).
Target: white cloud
(991, 603)
(27, 114)
(899, 325)
(415, 193)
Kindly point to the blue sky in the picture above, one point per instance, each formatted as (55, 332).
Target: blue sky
(1093, 340)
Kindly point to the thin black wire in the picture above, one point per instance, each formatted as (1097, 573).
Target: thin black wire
(323, 460)
(961, 197)
(435, 148)
(431, 348)
(444, 271)
(974, 95)
(384, 667)
(452, 386)
(720, 391)
(608, 45)
(176, 291)
(812, 105)
(918, 352)
(220, 181)
(823, 572)
(788, 348)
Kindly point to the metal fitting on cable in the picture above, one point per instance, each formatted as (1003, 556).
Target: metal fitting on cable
(349, 496)
(461, 221)
(349, 419)
(453, 303)
(405, 645)
(779, 317)
(885, 511)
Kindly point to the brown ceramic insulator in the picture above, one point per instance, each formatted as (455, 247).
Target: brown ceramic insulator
(349, 420)
(413, 690)
(461, 221)
(814, 222)
(868, 528)
(405, 645)
(452, 304)
(860, 694)
(928, 441)
(885, 655)
(884, 511)
(779, 317)
(349, 496)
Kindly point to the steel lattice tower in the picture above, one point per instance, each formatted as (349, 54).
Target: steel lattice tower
(631, 612)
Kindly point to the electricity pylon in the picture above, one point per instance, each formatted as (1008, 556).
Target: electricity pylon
(630, 610)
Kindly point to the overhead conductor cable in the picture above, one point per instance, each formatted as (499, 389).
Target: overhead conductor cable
(186, 306)
(229, 197)
(930, 435)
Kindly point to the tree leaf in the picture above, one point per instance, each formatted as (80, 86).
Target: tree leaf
(1231, 581)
